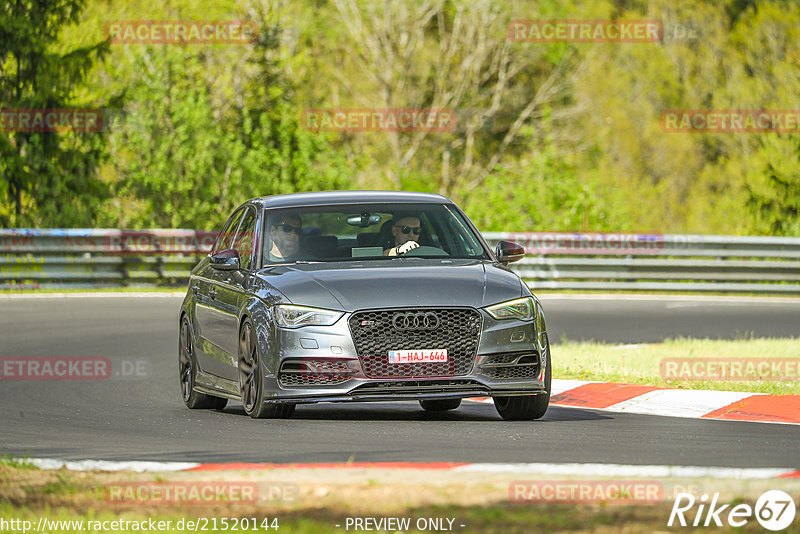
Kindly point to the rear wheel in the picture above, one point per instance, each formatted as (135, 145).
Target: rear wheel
(251, 379)
(440, 405)
(187, 372)
(527, 407)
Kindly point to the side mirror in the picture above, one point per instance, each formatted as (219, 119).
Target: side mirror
(508, 251)
(226, 260)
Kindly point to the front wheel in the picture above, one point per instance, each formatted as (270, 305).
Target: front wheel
(187, 373)
(440, 405)
(527, 407)
(251, 379)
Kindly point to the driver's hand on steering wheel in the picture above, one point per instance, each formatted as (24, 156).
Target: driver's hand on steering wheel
(405, 247)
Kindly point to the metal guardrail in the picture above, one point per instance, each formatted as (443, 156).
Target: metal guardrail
(76, 258)
(657, 262)
(57, 258)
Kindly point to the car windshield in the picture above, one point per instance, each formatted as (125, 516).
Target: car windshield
(368, 232)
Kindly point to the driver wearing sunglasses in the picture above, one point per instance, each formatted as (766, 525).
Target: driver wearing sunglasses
(405, 231)
(285, 233)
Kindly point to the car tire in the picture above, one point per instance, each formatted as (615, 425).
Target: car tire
(440, 405)
(251, 379)
(527, 407)
(187, 373)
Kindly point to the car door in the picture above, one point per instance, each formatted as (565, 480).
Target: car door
(226, 297)
(210, 356)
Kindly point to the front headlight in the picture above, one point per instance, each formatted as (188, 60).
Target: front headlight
(522, 309)
(289, 316)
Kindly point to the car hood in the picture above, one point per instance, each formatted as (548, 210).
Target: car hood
(350, 286)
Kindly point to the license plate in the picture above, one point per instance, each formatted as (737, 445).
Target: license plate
(418, 356)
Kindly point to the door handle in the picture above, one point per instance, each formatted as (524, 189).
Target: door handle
(195, 289)
(213, 293)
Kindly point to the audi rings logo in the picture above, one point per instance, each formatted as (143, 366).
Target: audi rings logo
(415, 321)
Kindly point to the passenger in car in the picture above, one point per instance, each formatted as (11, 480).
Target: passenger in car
(285, 232)
(405, 231)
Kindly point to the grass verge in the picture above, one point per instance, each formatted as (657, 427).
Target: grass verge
(642, 363)
(325, 499)
(16, 463)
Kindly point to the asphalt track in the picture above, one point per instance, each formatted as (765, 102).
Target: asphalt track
(141, 416)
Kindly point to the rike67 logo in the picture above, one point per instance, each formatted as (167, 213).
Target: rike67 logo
(774, 510)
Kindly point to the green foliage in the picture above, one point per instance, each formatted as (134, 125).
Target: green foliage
(191, 164)
(42, 174)
(774, 188)
(542, 193)
(207, 126)
(715, 56)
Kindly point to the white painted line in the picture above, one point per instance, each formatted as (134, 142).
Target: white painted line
(127, 294)
(567, 469)
(104, 465)
(679, 402)
(619, 470)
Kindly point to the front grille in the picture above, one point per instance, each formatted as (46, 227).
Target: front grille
(456, 329)
(314, 372)
(501, 373)
(511, 366)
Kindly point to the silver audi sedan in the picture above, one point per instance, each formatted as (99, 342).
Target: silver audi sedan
(360, 296)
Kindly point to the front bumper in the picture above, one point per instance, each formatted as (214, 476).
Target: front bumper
(407, 389)
(321, 364)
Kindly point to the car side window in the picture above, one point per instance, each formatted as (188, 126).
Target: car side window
(244, 238)
(225, 238)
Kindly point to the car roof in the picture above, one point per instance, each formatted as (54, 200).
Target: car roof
(295, 200)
